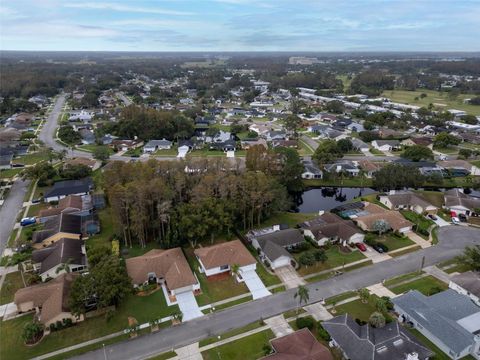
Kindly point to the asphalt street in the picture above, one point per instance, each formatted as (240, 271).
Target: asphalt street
(10, 209)
(452, 241)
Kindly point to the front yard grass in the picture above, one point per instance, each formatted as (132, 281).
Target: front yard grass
(214, 290)
(13, 282)
(422, 224)
(267, 278)
(401, 278)
(391, 240)
(173, 151)
(228, 334)
(356, 309)
(142, 308)
(427, 285)
(335, 258)
(32, 158)
(248, 348)
(439, 354)
(9, 173)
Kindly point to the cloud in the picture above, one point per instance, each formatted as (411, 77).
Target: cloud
(125, 8)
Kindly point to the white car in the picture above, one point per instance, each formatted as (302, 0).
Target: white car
(455, 220)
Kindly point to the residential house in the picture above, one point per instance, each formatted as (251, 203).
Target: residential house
(364, 342)
(276, 135)
(408, 200)
(343, 166)
(166, 267)
(62, 189)
(61, 226)
(454, 166)
(299, 345)
(6, 161)
(293, 144)
(359, 145)
(372, 213)
(332, 228)
(422, 141)
(468, 284)
(317, 129)
(154, 145)
(458, 202)
(248, 143)
(72, 204)
(229, 145)
(469, 138)
(53, 260)
(88, 137)
(273, 246)
(368, 168)
(386, 145)
(124, 144)
(311, 171)
(81, 161)
(49, 300)
(260, 129)
(221, 258)
(448, 319)
(83, 115)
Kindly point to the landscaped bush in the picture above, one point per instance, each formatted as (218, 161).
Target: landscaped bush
(307, 259)
(320, 256)
(305, 322)
(322, 333)
(32, 332)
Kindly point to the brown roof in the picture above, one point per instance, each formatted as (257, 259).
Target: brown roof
(71, 201)
(51, 297)
(393, 218)
(81, 161)
(368, 165)
(228, 253)
(455, 164)
(300, 345)
(424, 141)
(169, 264)
(344, 230)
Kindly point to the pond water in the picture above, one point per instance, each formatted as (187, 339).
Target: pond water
(327, 198)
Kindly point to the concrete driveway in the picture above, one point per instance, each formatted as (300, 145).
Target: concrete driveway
(188, 305)
(289, 277)
(440, 222)
(255, 285)
(375, 256)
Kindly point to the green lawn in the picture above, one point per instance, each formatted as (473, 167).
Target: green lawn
(228, 334)
(449, 150)
(267, 278)
(170, 152)
(439, 354)
(376, 152)
(30, 159)
(214, 290)
(401, 278)
(335, 258)
(107, 232)
(426, 285)
(289, 218)
(422, 223)
(248, 348)
(92, 147)
(35, 208)
(356, 309)
(135, 152)
(142, 308)
(233, 303)
(304, 149)
(338, 298)
(9, 173)
(433, 97)
(391, 240)
(13, 282)
(206, 153)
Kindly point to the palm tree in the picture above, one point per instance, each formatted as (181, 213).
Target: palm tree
(364, 295)
(64, 267)
(303, 296)
(235, 270)
(177, 316)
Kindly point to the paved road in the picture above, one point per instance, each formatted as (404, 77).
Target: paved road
(10, 209)
(452, 240)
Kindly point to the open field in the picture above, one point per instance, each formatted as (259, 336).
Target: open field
(434, 97)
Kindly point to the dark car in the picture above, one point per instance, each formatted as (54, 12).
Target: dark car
(378, 248)
(433, 217)
(462, 217)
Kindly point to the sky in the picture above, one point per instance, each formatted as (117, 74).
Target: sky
(240, 25)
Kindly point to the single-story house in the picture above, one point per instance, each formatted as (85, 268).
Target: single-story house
(88, 137)
(285, 143)
(167, 267)
(300, 345)
(373, 213)
(343, 166)
(386, 145)
(51, 261)
(49, 300)
(448, 319)
(359, 145)
(453, 165)
(311, 171)
(468, 284)
(154, 145)
(64, 225)
(460, 203)
(248, 143)
(423, 141)
(62, 189)
(6, 161)
(368, 167)
(220, 258)
(408, 200)
(276, 135)
(81, 161)
(273, 246)
(124, 144)
(331, 227)
(364, 342)
(71, 204)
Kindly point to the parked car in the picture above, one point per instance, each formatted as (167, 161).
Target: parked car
(378, 248)
(28, 221)
(18, 165)
(462, 217)
(36, 201)
(433, 217)
(361, 246)
(455, 220)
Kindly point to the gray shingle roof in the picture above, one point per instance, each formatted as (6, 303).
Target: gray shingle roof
(58, 253)
(273, 244)
(439, 314)
(364, 342)
(469, 281)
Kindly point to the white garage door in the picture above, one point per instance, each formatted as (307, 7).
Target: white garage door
(188, 305)
(255, 284)
(281, 261)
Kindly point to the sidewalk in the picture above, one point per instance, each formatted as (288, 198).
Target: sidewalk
(437, 273)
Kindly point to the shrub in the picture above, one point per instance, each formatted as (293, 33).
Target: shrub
(32, 331)
(307, 259)
(320, 256)
(59, 325)
(52, 327)
(360, 322)
(322, 333)
(305, 322)
(109, 314)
